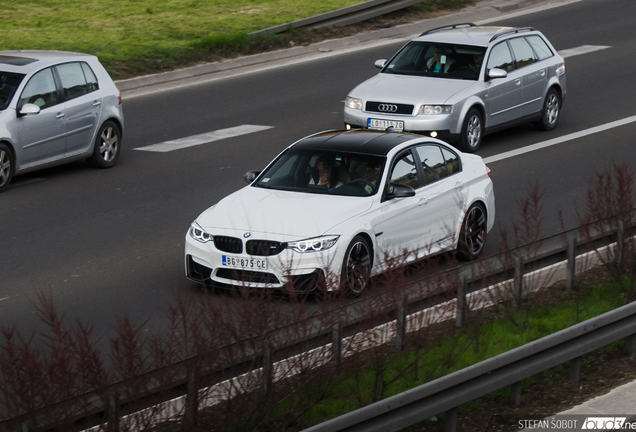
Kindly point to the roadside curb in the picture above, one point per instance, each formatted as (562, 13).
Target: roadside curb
(484, 10)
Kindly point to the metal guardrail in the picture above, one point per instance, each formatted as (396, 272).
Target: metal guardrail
(342, 17)
(508, 369)
(451, 390)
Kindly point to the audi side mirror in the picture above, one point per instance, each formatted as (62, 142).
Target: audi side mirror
(250, 176)
(497, 73)
(380, 63)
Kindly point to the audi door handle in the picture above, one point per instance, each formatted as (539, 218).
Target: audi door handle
(59, 116)
(518, 82)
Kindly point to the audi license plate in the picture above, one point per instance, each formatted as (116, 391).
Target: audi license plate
(244, 263)
(377, 124)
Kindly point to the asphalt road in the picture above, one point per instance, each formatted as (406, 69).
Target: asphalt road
(105, 242)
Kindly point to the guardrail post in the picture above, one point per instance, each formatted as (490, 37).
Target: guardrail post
(515, 393)
(461, 301)
(112, 415)
(571, 264)
(451, 420)
(575, 369)
(400, 324)
(192, 397)
(630, 345)
(268, 369)
(620, 244)
(336, 344)
(518, 283)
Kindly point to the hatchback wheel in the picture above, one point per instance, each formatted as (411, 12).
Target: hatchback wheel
(472, 131)
(6, 166)
(551, 109)
(472, 236)
(356, 267)
(107, 146)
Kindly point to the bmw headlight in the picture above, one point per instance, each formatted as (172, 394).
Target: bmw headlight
(315, 244)
(199, 234)
(436, 109)
(353, 103)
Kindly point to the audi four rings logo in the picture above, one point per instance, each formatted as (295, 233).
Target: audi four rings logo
(387, 108)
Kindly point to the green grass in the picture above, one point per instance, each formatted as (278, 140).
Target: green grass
(495, 338)
(133, 37)
(126, 30)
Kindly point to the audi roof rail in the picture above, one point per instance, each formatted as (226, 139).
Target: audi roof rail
(511, 31)
(448, 27)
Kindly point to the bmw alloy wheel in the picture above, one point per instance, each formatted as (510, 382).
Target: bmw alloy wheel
(357, 266)
(473, 234)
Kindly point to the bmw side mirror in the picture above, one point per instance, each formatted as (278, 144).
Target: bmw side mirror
(380, 63)
(29, 109)
(250, 176)
(397, 190)
(497, 73)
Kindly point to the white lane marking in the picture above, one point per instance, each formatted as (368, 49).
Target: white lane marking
(5, 298)
(583, 49)
(560, 140)
(204, 138)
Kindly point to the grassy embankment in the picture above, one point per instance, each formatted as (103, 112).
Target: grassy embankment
(145, 36)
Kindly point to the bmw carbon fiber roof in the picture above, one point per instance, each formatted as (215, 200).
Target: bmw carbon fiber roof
(356, 141)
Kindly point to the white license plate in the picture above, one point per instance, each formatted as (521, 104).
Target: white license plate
(244, 263)
(377, 124)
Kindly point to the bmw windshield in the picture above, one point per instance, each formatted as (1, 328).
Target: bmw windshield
(437, 60)
(324, 172)
(9, 83)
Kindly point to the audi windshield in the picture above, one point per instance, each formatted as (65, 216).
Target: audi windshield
(437, 60)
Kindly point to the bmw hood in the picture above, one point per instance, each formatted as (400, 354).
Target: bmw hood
(290, 215)
(413, 90)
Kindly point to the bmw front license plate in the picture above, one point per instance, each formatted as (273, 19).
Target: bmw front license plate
(377, 124)
(244, 263)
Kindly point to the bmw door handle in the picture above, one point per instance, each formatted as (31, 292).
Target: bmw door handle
(518, 82)
(423, 201)
(59, 116)
(97, 103)
(459, 185)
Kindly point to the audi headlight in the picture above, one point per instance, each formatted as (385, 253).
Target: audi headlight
(315, 244)
(436, 109)
(199, 234)
(353, 103)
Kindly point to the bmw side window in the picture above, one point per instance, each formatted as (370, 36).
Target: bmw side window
(432, 163)
(500, 58)
(452, 161)
(541, 48)
(522, 51)
(404, 171)
(40, 90)
(73, 80)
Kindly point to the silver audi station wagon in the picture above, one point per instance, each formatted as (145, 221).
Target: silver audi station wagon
(460, 82)
(56, 107)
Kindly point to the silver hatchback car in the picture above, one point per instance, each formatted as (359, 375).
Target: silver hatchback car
(56, 107)
(460, 82)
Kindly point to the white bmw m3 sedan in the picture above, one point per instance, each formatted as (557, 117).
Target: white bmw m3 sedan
(337, 207)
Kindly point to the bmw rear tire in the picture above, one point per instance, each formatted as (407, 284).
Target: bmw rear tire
(472, 236)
